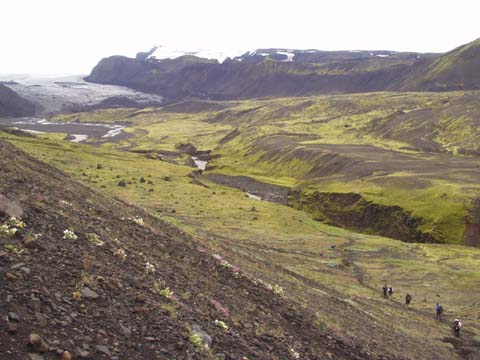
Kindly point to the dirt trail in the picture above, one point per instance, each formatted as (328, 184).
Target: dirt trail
(472, 231)
(350, 261)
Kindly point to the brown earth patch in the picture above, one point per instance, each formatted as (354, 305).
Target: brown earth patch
(268, 192)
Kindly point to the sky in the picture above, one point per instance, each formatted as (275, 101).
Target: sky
(70, 37)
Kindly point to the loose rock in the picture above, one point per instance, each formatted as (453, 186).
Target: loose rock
(66, 356)
(12, 328)
(37, 344)
(89, 294)
(83, 354)
(41, 319)
(36, 305)
(13, 317)
(127, 332)
(9, 276)
(10, 208)
(103, 349)
(25, 269)
(36, 357)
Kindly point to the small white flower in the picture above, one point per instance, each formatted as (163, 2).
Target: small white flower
(94, 239)
(11, 226)
(294, 354)
(265, 284)
(69, 235)
(149, 268)
(120, 253)
(166, 293)
(221, 324)
(66, 203)
(197, 341)
(226, 264)
(277, 289)
(5, 229)
(15, 223)
(137, 220)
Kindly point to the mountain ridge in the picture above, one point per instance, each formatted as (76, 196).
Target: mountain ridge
(285, 72)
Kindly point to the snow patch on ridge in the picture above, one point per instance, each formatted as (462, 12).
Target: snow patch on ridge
(164, 52)
(288, 54)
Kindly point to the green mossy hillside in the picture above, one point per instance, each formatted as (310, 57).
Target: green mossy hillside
(417, 151)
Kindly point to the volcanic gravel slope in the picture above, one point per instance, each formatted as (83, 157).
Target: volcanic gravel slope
(89, 301)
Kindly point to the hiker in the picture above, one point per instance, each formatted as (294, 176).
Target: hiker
(456, 325)
(390, 291)
(385, 289)
(408, 299)
(439, 310)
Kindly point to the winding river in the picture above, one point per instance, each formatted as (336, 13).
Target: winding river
(77, 132)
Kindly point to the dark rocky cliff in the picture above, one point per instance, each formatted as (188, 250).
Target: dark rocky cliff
(281, 72)
(251, 76)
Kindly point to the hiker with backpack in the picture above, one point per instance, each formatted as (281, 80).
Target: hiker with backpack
(390, 291)
(456, 326)
(408, 299)
(439, 311)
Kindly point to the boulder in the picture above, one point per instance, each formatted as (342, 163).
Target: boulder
(10, 208)
(37, 344)
(87, 293)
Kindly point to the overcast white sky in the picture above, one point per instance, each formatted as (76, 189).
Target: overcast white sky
(61, 36)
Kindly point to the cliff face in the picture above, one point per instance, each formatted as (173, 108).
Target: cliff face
(263, 73)
(352, 211)
(12, 105)
(281, 72)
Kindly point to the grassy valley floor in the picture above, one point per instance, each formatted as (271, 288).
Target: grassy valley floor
(417, 151)
(334, 272)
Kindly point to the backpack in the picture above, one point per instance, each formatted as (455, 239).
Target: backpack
(440, 309)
